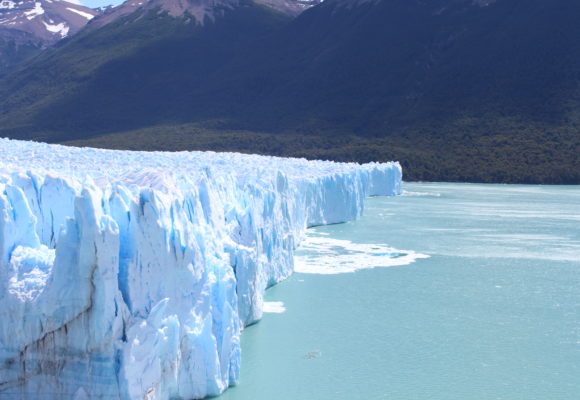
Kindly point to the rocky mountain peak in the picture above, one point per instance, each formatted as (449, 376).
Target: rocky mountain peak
(41, 21)
(199, 9)
(27, 26)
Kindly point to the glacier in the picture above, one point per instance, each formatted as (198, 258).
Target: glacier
(130, 275)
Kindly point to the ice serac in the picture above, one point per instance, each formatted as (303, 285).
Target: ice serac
(129, 275)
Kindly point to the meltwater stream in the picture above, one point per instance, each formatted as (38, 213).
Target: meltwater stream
(474, 295)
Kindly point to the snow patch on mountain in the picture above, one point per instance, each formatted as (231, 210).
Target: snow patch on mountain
(7, 5)
(81, 13)
(35, 12)
(61, 28)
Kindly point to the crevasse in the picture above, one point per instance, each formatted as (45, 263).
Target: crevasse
(129, 275)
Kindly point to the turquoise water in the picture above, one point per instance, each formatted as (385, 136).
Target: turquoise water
(492, 313)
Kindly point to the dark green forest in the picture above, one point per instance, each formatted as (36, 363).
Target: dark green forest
(493, 158)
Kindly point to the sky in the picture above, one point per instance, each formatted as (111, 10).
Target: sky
(96, 3)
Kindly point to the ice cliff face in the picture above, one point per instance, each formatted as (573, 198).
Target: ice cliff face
(129, 275)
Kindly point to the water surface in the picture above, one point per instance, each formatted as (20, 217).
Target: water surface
(467, 292)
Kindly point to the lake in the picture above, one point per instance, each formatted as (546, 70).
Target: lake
(452, 291)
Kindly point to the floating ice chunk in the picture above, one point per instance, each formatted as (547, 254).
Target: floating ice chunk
(276, 307)
(420, 194)
(323, 255)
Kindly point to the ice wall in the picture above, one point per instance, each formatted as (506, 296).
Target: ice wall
(129, 275)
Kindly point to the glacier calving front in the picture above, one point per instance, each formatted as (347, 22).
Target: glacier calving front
(129, 275)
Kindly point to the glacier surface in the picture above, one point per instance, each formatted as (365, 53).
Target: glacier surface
(130, 275)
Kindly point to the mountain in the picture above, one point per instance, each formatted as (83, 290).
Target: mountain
(148, 60)
(456, 89)
(27, 26)
(199, 10)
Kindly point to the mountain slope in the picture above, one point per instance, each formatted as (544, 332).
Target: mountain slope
(377, 66)
(456, 89)
(129, 73)
(27, 26)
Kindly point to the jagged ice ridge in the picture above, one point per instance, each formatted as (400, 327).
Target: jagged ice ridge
(129, 275)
